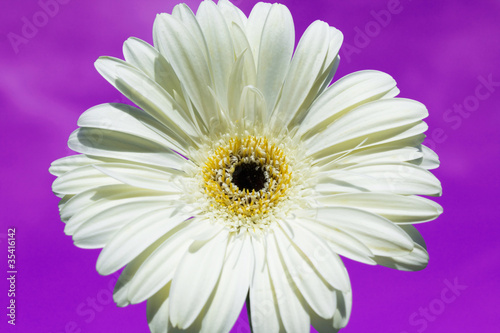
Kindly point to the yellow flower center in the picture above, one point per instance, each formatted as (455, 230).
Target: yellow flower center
(245, 179)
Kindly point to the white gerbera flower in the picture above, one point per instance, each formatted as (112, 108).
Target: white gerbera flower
(244, 175)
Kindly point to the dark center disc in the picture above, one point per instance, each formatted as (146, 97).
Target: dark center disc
(249, 176)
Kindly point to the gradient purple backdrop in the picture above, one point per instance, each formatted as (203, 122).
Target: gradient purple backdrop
(440, 53)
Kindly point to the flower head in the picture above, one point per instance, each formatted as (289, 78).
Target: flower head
(243, 174)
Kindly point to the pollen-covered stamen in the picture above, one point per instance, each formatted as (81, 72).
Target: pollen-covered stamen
(249, 176)
(245, 180)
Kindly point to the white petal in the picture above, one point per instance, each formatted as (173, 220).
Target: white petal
(81, 179)
(190, 291)
(340, 317)
(319, 255)
(409, 135)
(307, 281)
(120, 293)
(64, 200)
(264, 313)
(149, 96)
(68, 163)
(75, 203)
(332, 60)
(388, 153)
(141, 55)
(255, 25)
(232, 288)
(118, 145)
(275, 53)
(158, 310)
(322, 325)
(159, 268)
(345, 94)
(380, 235)
(305, 70)
(430, 159)
(343, 243)
(136, 236)
(344, 307)
(293, 315)
(188, 59)
(142, 177)
(414, 261)
(397, 208)
(372, 121)
(108, 193)
(87, 204)
(97, 224)
(237, 85)
(220, 46)
(130, 120)
(231, 13)
(145, 57)
(186, 17)
(242, 46)
(252, 105)
(403, 146)
(398, 178)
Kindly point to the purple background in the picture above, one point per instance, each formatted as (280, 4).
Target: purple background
(438, 51)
